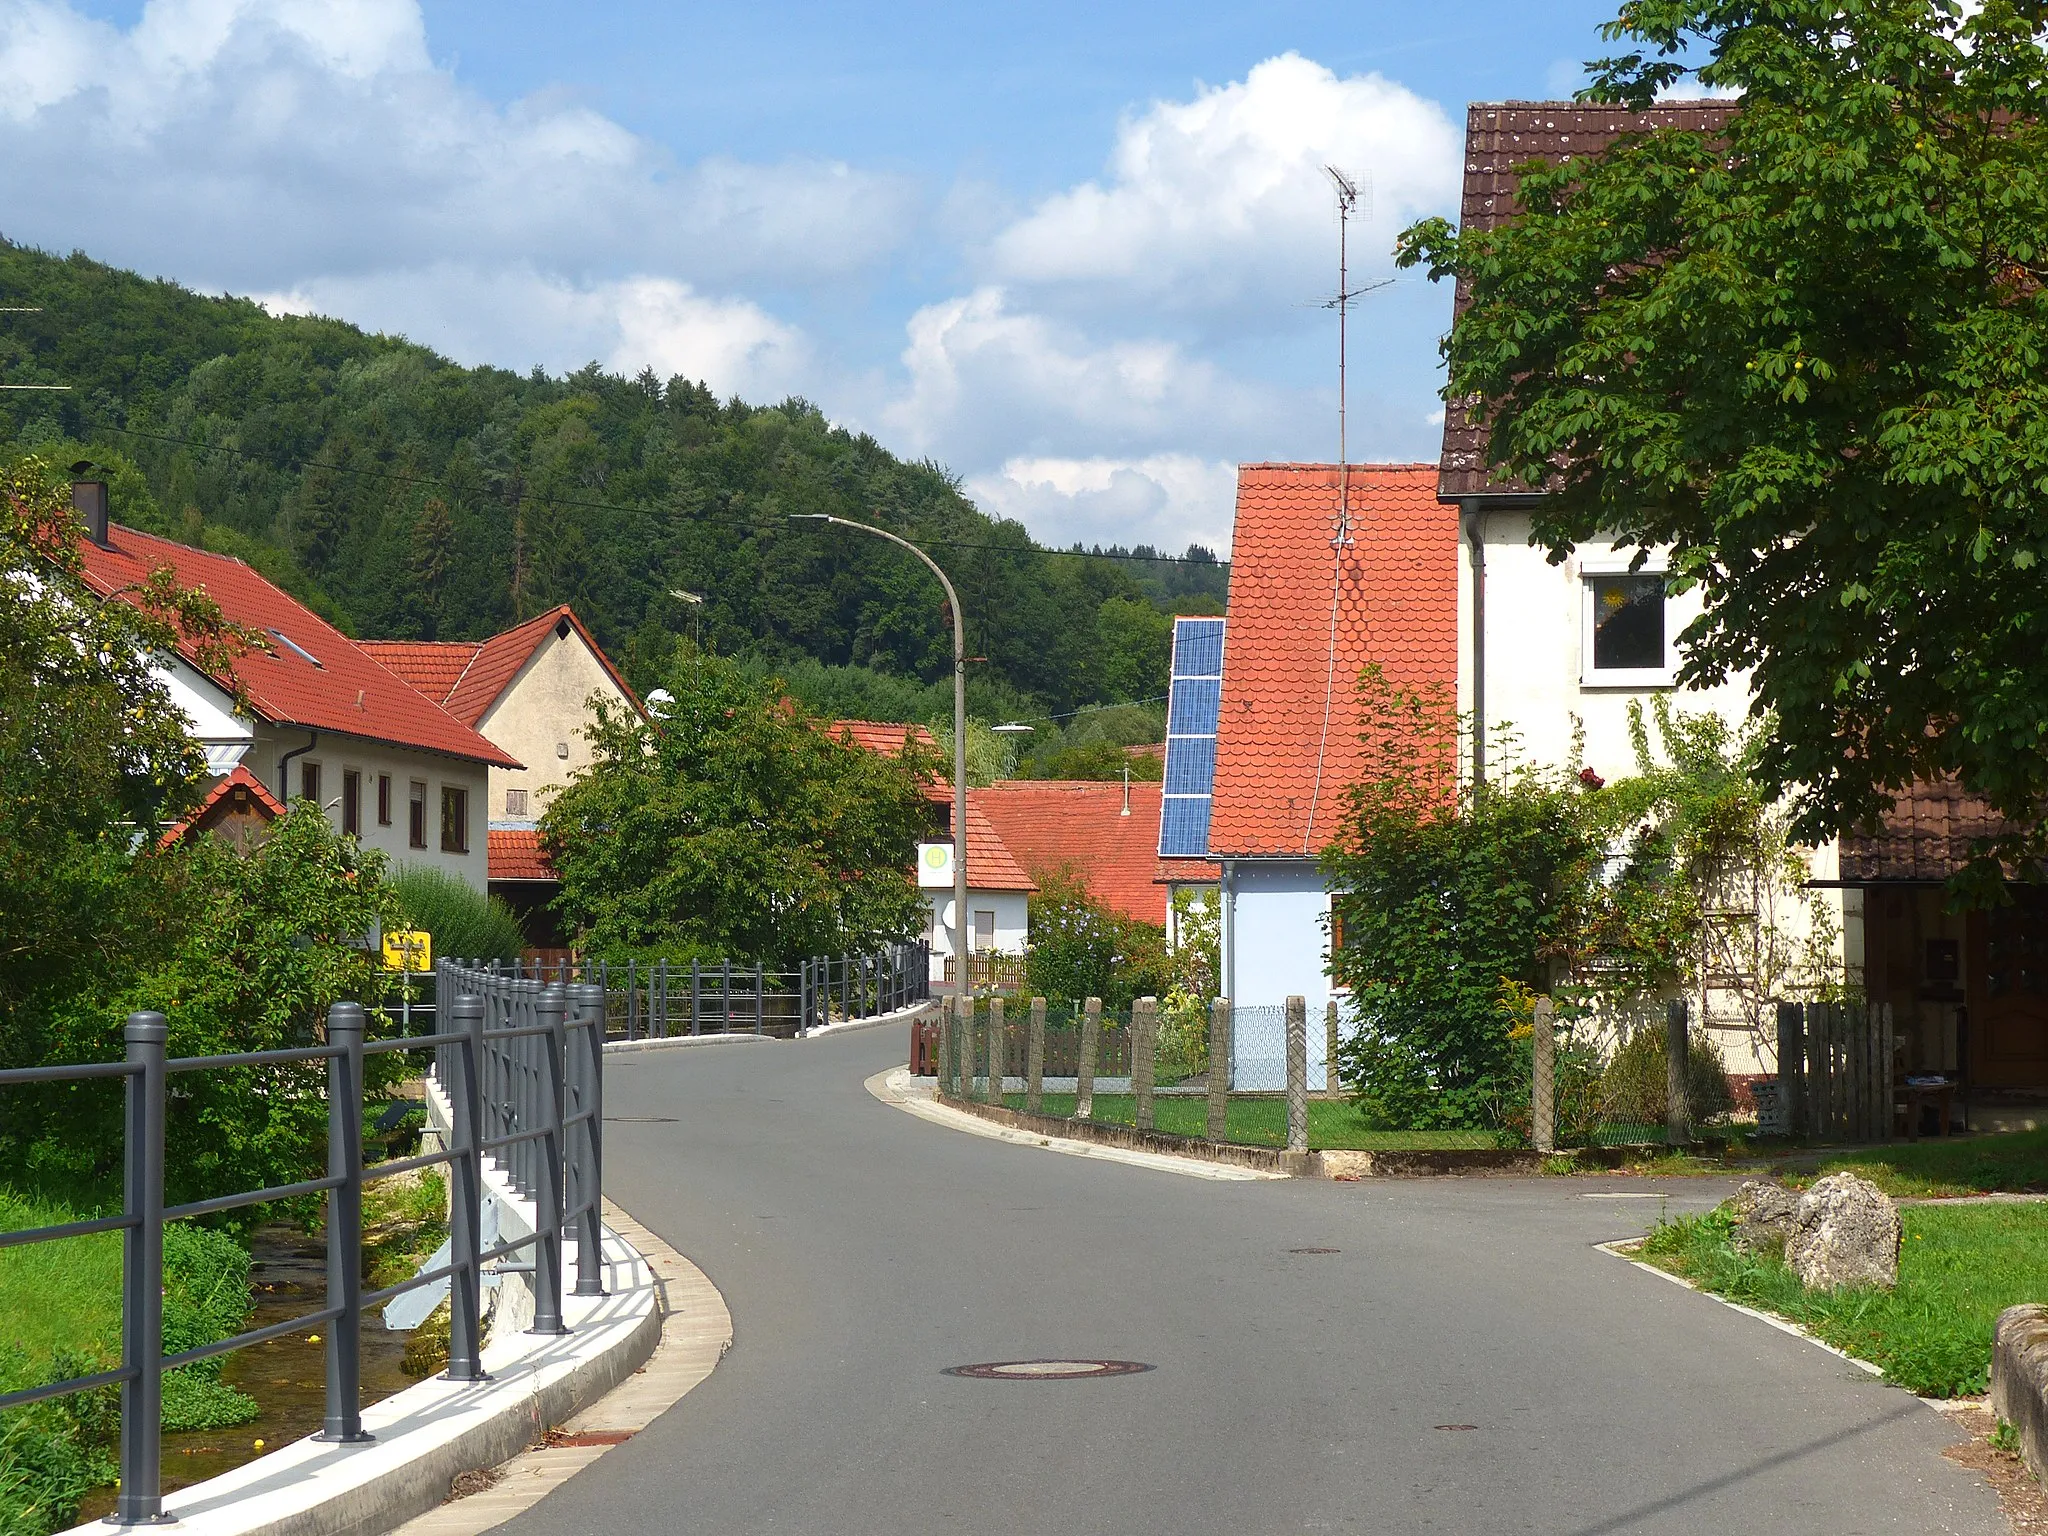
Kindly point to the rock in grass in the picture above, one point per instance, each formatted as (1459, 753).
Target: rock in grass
(1763, 1216)
(1845, 1232)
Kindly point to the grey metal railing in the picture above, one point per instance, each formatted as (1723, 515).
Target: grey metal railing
(520, 1066)
(656, 999)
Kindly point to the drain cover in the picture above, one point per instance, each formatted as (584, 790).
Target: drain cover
(1455, 1426)
(1047, 1370)
(1315, 1250)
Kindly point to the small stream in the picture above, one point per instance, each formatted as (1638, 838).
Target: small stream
(286, 1376)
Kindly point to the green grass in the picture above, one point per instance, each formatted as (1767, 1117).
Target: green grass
(1333, 1124)
(1969, 1165)
(1960, 1266)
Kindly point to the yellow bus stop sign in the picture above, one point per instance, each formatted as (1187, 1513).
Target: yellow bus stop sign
(409, 950)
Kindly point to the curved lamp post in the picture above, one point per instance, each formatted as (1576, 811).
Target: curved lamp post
(960, 928)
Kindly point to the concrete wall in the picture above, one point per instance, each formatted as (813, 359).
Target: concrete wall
(1276, 944)
(540, 718)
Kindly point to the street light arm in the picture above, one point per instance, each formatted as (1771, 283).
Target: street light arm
(960, 922)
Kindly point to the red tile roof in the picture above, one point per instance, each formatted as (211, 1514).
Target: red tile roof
(1500, 135)
(432, 666)
(1397, 604)
(1188, 872)
(990, 864)
(1078, 826)
(883, 737)
(342, 689)
(1925, 836)
(241, 778)
(515, 854)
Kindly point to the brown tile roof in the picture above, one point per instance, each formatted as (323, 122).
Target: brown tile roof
(1925, 836)
(320, 680)
(515, 854)
(1500, 135)
(1055, 825)
(1397, 604)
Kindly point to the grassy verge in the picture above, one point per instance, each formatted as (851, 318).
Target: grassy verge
(1959, 1267)
(1941, 1166)
(1333, 1124)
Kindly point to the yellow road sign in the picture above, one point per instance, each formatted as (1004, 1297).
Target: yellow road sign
(409, 950)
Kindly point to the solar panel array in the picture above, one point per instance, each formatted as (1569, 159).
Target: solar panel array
(1193, 699)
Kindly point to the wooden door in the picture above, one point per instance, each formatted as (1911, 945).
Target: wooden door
(2008, 974)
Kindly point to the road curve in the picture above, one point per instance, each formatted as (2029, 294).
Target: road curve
(863, 1251)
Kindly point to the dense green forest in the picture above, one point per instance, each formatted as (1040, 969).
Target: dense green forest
(408, 497)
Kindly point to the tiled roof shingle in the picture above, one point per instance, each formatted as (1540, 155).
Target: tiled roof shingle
(1055, 825)
(342, 689)
(1397, 604)
(1925, 836)
(1500, 135)
(514, 853)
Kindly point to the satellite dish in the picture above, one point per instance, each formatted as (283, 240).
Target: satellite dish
(946, 915)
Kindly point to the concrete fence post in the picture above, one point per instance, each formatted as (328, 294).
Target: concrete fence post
(1034, 1059)
(1330, 1088)
(1677, 1121)
(963, 1005)
(1297, 1074)
(998, 1051)
(1543, 1078)
(1144, 1056)
(1084, 1071)
(1219, 1069)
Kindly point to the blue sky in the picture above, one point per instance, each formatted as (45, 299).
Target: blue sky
(1070, 250)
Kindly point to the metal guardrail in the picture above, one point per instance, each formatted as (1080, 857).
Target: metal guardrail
(520, 1064)
(658, 999)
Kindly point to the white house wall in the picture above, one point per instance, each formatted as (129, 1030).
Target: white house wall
(1013, 923)
(539, 718)
(1276, 930)
(336, 753)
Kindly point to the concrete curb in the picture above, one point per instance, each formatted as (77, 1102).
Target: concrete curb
(914, 1011)
(430, 1432)
(914, 1096)
(696, 1333)
(1334, 1164)
(678, 1042)
(2019, 1380)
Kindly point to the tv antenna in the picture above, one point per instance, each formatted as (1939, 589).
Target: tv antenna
(1354, 195)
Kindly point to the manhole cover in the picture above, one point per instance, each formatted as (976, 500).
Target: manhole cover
(1315, 1250)
(1047, 1370)
(1455, 1426)
(640, 1119)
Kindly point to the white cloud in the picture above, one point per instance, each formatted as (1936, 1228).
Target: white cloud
(1167, 500)
(263, 144)
(986, 379)
(1224, 196)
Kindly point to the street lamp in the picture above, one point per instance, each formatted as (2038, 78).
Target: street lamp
(960, 928)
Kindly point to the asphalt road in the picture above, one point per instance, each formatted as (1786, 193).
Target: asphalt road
(862, 1251)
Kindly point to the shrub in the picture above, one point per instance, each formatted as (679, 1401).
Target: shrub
(1079, 948)
(1634, 1088)
(463, 920)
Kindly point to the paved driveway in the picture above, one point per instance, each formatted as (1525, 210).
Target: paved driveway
(862, 1251)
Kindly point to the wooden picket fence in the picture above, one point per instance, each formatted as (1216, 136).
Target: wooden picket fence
(1835, 1068)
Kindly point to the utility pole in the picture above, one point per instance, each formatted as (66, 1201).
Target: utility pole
(960, 918)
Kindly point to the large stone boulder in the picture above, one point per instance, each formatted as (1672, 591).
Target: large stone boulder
(1763, 1216)
(1845, 1232)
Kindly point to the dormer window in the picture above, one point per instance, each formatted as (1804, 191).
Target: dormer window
(1625, 640)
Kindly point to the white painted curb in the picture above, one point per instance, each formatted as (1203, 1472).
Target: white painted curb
(915, 1096)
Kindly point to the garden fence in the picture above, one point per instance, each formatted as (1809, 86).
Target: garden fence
(519, 1063)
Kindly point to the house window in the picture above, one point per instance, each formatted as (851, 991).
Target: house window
(383, 799)
(515, 802)
(351, 802)
(983, 938)
(1624, 644)
(416, 816)
(454, 819)
(309, 782)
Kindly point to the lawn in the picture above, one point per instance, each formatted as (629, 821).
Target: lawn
(1939, 1166)
(1960, 1266)
(1333, 1124)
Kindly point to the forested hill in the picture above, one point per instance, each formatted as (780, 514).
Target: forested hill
(413, 498)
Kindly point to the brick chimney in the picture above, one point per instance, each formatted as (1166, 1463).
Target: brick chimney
(89, 501)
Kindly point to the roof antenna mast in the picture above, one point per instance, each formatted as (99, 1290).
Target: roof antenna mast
(1347, 204)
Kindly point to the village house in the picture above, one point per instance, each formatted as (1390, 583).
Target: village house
(323, 720)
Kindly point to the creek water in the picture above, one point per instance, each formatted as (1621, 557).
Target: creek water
(286, 1376)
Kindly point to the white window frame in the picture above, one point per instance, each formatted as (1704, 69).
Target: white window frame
(1620, 563)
